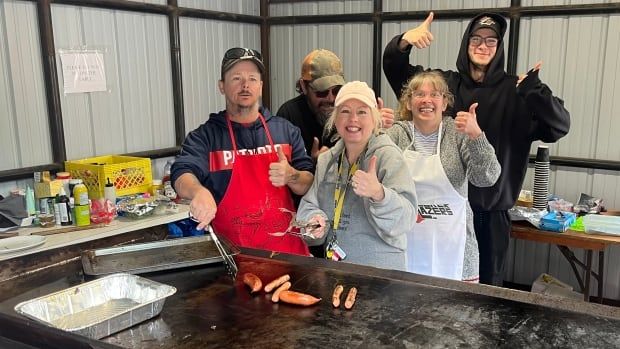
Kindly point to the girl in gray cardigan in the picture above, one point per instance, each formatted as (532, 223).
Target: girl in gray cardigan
(362, 195)
(461, 154)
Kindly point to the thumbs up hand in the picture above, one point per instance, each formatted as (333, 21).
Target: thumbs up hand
(366, 184)
(466, 122)
(316, 151)
(419, 36)
(387, 114)
(280, 172)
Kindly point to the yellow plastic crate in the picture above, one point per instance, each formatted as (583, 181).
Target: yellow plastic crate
(130, 175)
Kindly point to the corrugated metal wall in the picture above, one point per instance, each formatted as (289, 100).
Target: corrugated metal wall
(24, 131)
(290, 44)
(136, 113)
(308, 8)
(426, 5)
(203, 44)
(246, 7)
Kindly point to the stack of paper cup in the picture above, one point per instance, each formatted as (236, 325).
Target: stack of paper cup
(541, 178)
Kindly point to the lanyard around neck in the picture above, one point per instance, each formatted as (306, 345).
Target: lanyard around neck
(339, 192)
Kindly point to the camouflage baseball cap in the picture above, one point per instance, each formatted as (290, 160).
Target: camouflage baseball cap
(322, 69)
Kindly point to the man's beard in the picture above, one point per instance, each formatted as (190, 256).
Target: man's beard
(323, 113)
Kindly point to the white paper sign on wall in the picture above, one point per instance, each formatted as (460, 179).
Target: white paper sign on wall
(83, 71)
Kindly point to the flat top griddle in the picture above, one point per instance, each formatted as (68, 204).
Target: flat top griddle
(393, 310)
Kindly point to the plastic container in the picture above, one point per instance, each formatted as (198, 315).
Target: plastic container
(167, 171)
(72, 184)
(65, 178)
(80, 194)
(594, 223)
(82, 215)
(166, 183)
(110, 192)
(30, 201)
(128, 174)
(157, 187)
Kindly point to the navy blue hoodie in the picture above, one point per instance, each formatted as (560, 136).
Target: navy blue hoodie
(512, 117)
(207, 150)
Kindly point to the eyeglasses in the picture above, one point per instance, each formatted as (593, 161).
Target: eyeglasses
(422, 94)
(476, 40)
(323, 94)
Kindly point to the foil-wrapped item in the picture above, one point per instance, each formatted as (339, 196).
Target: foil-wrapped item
(530, 214)
(137, 206)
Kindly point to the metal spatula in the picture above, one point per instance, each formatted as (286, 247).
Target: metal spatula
(229, 261)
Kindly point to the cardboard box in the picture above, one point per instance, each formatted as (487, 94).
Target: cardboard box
(47, 189)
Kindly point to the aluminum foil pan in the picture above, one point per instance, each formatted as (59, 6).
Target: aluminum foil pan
(99, 308)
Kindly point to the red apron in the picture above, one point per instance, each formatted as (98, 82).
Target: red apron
(250, 208)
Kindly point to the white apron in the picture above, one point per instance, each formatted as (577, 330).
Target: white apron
(436, 244)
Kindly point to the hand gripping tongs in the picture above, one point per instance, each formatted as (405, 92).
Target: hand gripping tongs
(229, 261)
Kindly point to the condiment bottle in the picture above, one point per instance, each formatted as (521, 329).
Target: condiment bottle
(82, 206)
(65, 177)
(64, 208)
(109, 192)
(80, 193)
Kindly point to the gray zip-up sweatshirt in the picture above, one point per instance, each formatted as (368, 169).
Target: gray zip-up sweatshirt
(463, 160)
(370, 233)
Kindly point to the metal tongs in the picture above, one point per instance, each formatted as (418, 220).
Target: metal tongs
(302, 227)
(229, 261)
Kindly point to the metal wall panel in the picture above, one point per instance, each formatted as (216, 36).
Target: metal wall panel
(562, 2)
(567, 43)
(136, 113)
(246, 7)
(308, 8)
(441, 54)
(155, 2)
(434, 5)
(203, 43)
(24, 135)
(290, 44)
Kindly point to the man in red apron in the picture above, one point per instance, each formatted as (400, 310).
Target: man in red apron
(240, 167)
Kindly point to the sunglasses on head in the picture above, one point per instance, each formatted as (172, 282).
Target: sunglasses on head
(241, 52)
(322, 94)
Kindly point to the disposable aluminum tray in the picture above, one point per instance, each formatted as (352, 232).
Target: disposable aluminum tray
(98, 308)
(153, 256)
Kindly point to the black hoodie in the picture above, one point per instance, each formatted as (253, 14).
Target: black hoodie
(512, 117)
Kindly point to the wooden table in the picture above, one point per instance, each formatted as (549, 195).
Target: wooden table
(572, 239)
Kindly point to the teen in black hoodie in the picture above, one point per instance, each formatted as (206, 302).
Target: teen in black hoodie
(512, 111)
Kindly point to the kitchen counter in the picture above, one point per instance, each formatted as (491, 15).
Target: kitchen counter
(118, 226)
(393, 310)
